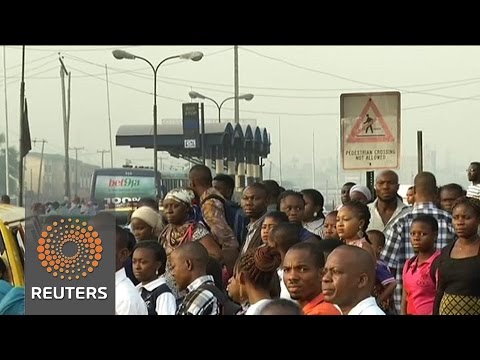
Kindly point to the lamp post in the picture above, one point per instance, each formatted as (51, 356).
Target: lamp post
(121, 54)
(195, 95)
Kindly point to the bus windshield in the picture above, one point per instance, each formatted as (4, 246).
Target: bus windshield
(121, 187)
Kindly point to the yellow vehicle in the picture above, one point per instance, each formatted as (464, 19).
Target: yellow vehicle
(12, 242)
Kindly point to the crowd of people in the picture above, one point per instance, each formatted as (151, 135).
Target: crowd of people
(277, 252)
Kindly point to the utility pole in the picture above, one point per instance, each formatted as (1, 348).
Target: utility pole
(280, 151)
(66, 123)
(202, 129)
(7, 171)
(22, 115)
(420, 151)
(237, 102)
(43, 141)
(109, 121)
(313, 159)
(76, 167)
(103, 152)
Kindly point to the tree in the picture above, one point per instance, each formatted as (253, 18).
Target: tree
(12, 167)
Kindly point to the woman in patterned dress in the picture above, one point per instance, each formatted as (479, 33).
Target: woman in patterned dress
(177, 206)
(458, 291)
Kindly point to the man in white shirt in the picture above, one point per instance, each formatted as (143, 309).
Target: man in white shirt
(349, 276)
(387, 207)
(127, 299)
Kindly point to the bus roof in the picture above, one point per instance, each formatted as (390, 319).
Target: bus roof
(11, 213)
(140, 172)
(124, 171)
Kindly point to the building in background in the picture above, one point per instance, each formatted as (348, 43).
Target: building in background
(52, 181)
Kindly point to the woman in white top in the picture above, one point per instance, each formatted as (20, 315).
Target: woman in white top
(313, 216)
(149, 261)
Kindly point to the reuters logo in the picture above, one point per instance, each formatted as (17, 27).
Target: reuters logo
(69, 249)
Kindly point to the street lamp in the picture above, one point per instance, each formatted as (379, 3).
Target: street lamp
(121, 54)
(195, 95)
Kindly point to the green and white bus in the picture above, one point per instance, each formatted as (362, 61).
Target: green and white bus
(120, 187)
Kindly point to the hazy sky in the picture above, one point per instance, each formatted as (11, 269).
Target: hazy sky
(299, 86)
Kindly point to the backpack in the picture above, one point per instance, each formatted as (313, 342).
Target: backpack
(228, 307)
(234, 216)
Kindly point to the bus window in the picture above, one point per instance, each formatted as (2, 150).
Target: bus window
(122, 186)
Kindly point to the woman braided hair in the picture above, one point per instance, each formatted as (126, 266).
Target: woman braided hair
(260, 266)
(355, 214)
(363, 213)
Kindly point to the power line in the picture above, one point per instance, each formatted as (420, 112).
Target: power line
(474, 97)
(29, 75)
(289, 96)
(262, 112)
(139, 73)
(454, 99)
(461, 82)
(346, 78)
(425, 92)
(56, 50)
(31, 61)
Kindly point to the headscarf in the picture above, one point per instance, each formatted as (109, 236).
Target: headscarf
(363, 189)
(150, 217)
(185, 196)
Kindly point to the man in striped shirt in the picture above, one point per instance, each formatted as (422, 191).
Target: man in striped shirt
(473, 174)
(398, 247)
(188, 265)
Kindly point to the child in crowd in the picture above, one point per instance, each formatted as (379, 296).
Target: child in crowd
(330, 226)
(385, 282)
(271, 219)
(419, 280)
(149, 261)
